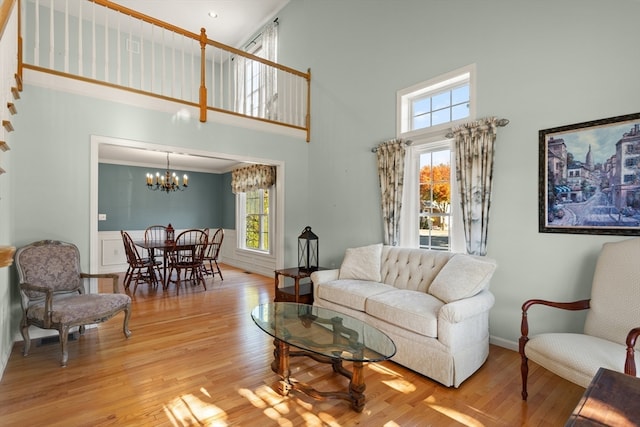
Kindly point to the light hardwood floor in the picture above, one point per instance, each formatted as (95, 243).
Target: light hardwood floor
(198, 360)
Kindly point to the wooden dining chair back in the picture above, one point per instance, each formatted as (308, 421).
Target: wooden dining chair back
(141, 270)
(53, 295)
(212, 254)
(187, 255)
(156, 233)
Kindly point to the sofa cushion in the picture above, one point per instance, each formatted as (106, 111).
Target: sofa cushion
(362, 263)
(411, 310)
(462, 277)
(351, 293)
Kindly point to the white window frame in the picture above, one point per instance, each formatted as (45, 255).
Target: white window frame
(425, 140)
(434, 86)
(241, 222)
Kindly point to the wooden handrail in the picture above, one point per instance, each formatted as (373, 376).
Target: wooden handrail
(296, 119)
(195, 36)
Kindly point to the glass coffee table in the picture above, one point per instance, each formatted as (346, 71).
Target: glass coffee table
(325, 336)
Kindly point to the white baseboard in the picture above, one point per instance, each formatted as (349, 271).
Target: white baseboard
(501, 342)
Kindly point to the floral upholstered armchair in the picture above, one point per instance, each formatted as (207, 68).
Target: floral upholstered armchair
(53, 295)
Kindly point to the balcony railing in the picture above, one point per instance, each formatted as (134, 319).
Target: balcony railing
(101, 42)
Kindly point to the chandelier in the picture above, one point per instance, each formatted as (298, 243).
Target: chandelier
(168, 182)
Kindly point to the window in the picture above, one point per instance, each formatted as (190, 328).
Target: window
(431, 215)
(443, 107)
(438, 103)
(435, 198)
(256, 85)
(252, 84)
(254, 220)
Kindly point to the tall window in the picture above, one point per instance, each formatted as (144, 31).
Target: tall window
(252, 85)
(435, 199)
(431, 215)
(254, 227)
(256, 83)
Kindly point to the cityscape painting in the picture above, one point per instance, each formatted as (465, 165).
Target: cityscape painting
(589, 178)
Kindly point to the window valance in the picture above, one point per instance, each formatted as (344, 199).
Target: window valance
(254, 177)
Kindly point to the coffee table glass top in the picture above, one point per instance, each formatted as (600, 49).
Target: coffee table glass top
(323, 331)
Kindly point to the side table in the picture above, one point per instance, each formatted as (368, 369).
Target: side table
(610, 400)
(300, 292)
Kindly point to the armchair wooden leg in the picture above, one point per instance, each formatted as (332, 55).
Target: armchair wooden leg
(64, 337)
(125, 323)
(524, 367)
(24, 329)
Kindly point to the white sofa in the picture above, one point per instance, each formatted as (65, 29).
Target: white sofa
(434, 305)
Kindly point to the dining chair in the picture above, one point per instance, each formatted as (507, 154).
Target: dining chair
(156, 233)
(212, 253)
(187, 255)
(53, 295)
(141, 270)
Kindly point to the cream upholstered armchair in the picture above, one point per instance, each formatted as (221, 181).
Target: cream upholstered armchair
(611, 328)
(53, 295)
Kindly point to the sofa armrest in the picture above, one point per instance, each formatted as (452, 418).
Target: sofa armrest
(465, 321)
(458, 311)
(323, 276)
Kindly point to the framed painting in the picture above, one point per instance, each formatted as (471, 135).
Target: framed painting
(589, 178)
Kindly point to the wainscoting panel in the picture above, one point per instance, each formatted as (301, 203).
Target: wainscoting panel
(113, 259)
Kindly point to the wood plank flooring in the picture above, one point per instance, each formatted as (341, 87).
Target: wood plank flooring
(198, 360)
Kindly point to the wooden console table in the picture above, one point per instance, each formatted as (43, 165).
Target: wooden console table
(612, 399)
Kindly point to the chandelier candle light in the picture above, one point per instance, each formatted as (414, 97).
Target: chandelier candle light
(168, 182)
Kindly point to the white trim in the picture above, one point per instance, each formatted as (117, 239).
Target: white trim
(404, 96)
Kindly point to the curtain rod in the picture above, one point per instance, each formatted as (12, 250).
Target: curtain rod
(275, 21)
(499, 122)
(407, 143)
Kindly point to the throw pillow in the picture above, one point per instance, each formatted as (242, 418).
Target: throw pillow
(462, 277)
(362, 263)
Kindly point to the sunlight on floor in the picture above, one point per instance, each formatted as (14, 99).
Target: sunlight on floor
(193, 409)
(398, 383)
(190, 410)
(453, 414)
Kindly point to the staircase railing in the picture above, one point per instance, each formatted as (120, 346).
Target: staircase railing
(10, 84)
(104, 43)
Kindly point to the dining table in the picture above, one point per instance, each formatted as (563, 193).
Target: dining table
(167, 247)
(154, 246)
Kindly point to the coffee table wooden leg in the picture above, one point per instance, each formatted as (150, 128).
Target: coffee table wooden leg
(357, 387)
(281, 366)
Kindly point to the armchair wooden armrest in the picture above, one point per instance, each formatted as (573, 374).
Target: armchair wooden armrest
(114, 277)
(630, 363)
(524, 326)
(48, 300)
(524, 329)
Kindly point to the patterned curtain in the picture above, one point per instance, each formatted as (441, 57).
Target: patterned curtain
(391, 173)
(474, 146)
(254, 177)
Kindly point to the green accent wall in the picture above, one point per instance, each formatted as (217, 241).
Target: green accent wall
(130, 205)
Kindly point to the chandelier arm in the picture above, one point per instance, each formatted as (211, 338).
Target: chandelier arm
(169, 182)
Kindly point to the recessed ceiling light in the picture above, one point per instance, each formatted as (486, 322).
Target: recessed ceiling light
(212, 14)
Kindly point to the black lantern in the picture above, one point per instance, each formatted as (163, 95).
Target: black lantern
(308, 250)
